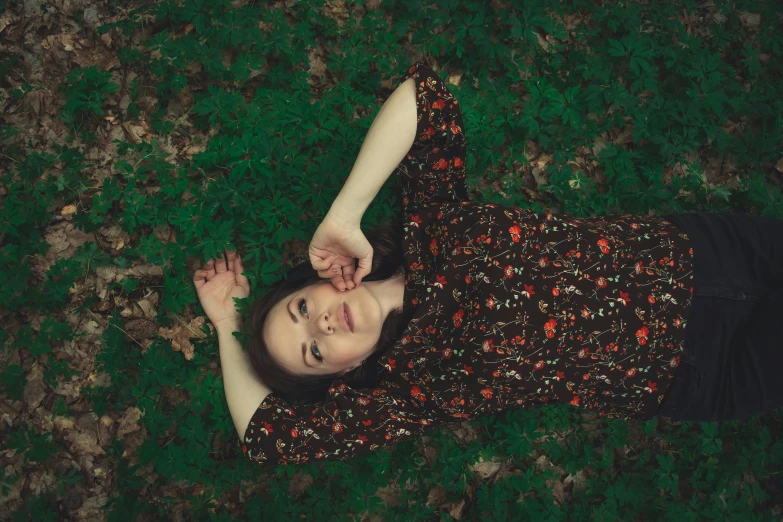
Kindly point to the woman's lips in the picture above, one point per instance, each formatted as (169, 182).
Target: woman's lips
(349, 317)
(344, 316)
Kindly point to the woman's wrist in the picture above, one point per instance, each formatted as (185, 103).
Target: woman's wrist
(347, 214)
(228, 325)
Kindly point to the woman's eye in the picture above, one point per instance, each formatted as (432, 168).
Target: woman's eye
(314, 349)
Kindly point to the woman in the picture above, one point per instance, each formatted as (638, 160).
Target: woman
(498, 308)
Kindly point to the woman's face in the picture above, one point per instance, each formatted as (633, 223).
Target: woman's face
(305, 332)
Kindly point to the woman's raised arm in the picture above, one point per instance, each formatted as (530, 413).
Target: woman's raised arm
(389, 139)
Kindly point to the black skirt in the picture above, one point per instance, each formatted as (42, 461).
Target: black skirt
(732, 361)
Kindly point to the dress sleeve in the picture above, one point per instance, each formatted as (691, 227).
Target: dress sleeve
(351, 422)
(434, 168)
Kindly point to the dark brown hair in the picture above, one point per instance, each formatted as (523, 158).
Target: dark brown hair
(386, 242)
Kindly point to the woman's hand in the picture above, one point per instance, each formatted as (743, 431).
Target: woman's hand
(217, 283)
(333, 248)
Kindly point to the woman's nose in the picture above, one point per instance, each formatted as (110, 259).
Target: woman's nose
(325, 323)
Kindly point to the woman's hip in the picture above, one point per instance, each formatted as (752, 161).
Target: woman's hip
(731, 354)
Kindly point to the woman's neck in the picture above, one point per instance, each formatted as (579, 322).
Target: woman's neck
(390, 293)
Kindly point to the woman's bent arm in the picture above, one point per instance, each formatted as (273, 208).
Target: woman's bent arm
(389, 139)
(244, 390)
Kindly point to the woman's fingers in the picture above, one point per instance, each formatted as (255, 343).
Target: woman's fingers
(220, 265)
(338, 282)
(348, 276)
(365, 265)
(321, 264)
(335, 274)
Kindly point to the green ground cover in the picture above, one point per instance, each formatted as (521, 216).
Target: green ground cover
(139, 139)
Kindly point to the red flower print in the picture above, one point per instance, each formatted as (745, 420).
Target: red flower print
(560, 375)
(467, 369)
(367, 422)
(440, 164)
(651, 299)
(438, 104)
(487, 393)
(415, 221)
(458, 162)
(641, 335)
(446, 353)
(549, 328)
(441, 280)
(363, 439)
(604, 244)
(652, 386)
(509, 271)
(337, 427)
(555, 292)
(583, 352)
(491, 303)
(600, 282)
(586, 377)
(417, 394)
(434, 247)
(294, 433)
(488, 345)
(244, 448)
(638, 267)
(467, 279)
(624, 298)
(528, 290)
(543, 262)
(630, 372)
(515, 232)
(539, 365)
(575, 401)
(457, 318)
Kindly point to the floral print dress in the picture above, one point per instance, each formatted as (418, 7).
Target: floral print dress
(513, 309)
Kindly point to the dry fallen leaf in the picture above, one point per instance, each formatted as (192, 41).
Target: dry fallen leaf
(129, 422)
